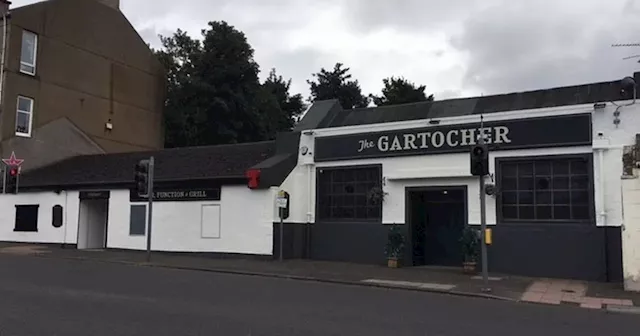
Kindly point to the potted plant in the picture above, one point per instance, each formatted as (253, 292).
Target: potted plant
(395, 246)
(376, 195)
(470, 242)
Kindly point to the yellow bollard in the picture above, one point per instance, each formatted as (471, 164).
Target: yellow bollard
(487, 236)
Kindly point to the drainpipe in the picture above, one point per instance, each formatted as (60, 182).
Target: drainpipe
(66, 210)
(309, 186)
(309, 205)
(5, 16)
(603, 211)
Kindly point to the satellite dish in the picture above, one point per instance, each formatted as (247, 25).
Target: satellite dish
(628, 83)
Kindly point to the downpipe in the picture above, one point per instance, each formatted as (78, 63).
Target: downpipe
(2, 65)
(309, 205)
(603, 212)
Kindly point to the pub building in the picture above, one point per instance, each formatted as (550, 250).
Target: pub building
(555, 167)
(555, 163)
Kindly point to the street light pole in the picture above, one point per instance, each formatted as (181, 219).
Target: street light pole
(483, 220)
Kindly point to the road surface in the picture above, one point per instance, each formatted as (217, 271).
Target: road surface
(41, 297)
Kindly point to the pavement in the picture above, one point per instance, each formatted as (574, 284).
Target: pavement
(588, 295)
(58, 296)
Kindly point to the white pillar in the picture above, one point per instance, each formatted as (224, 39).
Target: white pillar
(631, 231)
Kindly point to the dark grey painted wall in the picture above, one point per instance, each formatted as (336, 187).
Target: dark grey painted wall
(295, 236)
(572, 251)
(347, 242)
(578, 251)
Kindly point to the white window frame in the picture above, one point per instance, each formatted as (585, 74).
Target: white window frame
(26, 134)
(35, 53)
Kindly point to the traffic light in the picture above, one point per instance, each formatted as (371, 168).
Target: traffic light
(141, 178)
(12, 175)
(479, 160)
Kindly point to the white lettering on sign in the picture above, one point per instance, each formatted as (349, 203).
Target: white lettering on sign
(364, 144)
(501, 134)
(437, 139)
(180, 194)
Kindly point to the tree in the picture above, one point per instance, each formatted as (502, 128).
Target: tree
(214, 95)
(400, 91)
(179, 57)
(337, 84)
(292, 106)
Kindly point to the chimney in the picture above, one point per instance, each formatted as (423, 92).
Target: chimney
(111, 3)
(4, 7)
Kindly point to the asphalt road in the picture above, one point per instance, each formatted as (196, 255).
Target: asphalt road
(63, 297)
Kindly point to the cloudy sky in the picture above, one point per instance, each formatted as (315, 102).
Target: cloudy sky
(456, 48)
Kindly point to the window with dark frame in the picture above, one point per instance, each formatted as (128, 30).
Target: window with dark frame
(138, 220)
(26, 218)
(545, 190)
(347, 194)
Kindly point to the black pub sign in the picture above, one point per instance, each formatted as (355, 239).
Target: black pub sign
(177, 194)
(553, 131)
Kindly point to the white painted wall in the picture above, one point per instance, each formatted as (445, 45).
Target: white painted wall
(453, 169)
(631, 233)
(46, 232)
(245, 226)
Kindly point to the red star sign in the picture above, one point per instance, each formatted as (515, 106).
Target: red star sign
(13, 161)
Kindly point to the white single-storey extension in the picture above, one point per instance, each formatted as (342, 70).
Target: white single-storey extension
(202, 207)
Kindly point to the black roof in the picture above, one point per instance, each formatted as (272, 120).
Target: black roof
(328, 114)
(191, 163)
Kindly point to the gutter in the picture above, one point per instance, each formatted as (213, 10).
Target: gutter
(127, 184)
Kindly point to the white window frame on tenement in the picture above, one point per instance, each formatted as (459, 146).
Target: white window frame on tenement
(26, 33)
(26, 134)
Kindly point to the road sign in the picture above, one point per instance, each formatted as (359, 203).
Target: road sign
(281, 202)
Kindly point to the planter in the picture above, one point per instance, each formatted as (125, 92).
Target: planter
(393, 263)
(469, 267)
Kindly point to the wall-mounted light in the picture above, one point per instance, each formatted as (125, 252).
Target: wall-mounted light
(308, 133)
(599, 106)
(108, 125)
(434, 122)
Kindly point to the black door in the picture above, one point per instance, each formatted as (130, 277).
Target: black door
(438, 219)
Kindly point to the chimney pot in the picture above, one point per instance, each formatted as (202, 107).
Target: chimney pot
(4, 7)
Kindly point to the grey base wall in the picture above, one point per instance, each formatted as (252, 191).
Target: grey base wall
(347, 242)
(583, 252)
(295, 237)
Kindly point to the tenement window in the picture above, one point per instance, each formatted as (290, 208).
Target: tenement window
(26, 218)
(28, 53)
(24, 116)
(350, 194)
(138, 220)
(545, 190)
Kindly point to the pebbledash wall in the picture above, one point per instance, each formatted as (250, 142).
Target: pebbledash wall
(239, 223)
(588, 250)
